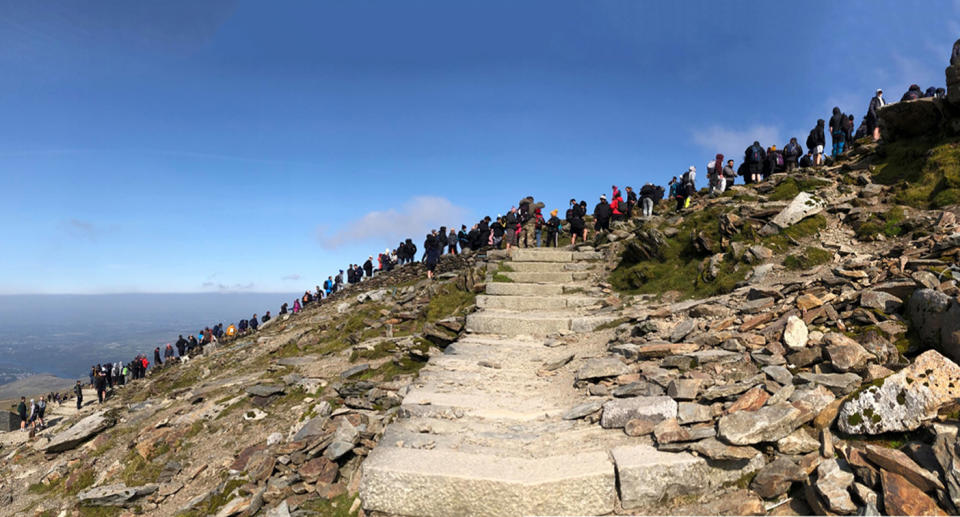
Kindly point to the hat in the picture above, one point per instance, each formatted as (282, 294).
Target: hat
(553, 212)
(879, 90)
(692, 168)
(603, 197)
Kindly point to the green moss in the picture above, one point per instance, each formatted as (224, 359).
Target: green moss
(390, 370)
(791, 186)
(925, 170)
(613, 324)
(499, 277)
(336, 507)
(84, 481)
(812, 256)
(212, 505)
(449, 301)
(855, 419)
(100, 511)
(678, 266)
(138, 471)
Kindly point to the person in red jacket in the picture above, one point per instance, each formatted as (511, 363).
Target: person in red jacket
(617, 206)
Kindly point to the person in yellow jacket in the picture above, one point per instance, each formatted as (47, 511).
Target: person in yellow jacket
(231, 330)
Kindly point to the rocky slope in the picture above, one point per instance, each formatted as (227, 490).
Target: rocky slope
(785, 348)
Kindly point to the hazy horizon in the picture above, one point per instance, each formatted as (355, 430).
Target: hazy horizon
(63, 334)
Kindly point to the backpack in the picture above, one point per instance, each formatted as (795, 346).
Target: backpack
(755, 153)
(570, 214)
(685, 178)
(657, 193)
(793, 149)
(510, 219)
(811, 140)
(779, 159)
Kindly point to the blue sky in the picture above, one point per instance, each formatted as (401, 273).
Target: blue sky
(187, 146)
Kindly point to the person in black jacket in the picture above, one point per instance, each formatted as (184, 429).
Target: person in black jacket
(816, 142)
(463, 237)
(631, 202)
(912, 94)
(368, 266)
(754, 157)
(872, 117)
(836, 132)
(602, 214)
(791, 153)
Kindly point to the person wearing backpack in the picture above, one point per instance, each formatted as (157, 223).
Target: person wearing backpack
(715, 177)
(754, 157)
(553, 230)
(575, 221)
(510, 226)
(791, 153)
(836, 133)
(816, 142)
(913, 93)
(647, 193)
(538, 225)
(848, 126)
(873, 118)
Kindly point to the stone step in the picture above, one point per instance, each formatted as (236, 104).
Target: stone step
(521, 303)
(547, 267)
(521, 289)
(532, 323)
(647, 476)
(416, 482)
(484, 437)
(556, 277)
(541, 255)
(427, 402)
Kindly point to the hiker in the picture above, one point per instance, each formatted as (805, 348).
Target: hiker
(791, 154)
(511, 224)
(41, 410)
(631, 201)
(772, 163)
(616, 206)
(78, 391)
(181, 343)
(232, 329)
(496, 233)
(368, 267)
(836, 133)
(815, 142)
(716, 180)
(452, 241)
(847, 125)
(254, 323)
(433, 252)
(729, 175)
(872, 119)
(463, 238)
(754, 157)
(156, 356)
(647, 193)
(553, 229)
(265, 318)
(296, 306)
(602, 213)
(167, 354)
(22, 412)
(283, 310)
(575, 221)
(687, 188)
(538, 223)
(100, 383)
(913, 93)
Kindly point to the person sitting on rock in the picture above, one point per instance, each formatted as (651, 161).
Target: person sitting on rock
(265, 318)
(254, 323)
(807, 160)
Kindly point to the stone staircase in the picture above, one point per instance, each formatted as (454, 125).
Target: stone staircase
(481, 431)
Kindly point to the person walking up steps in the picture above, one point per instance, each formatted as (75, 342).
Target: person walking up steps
(815, 142)
(872, 118)
(553, 230)
(575, 221)
(602, 214)
(836, 133)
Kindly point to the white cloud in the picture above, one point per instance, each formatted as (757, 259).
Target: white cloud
(225, 288)
(412, 220)
(731, 142)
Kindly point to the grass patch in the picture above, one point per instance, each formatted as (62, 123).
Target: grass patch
(100, 511)
(677, 267)
(784, 240)
(500, 277)
(812, 256)
(926, 170)
(612, 324)
(791, 186)
(390, 370)
(336, 507)
(449, 301)
(886, 223)
(212, 505)
(138, 471)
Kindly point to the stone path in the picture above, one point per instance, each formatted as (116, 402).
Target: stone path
(482, 432)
